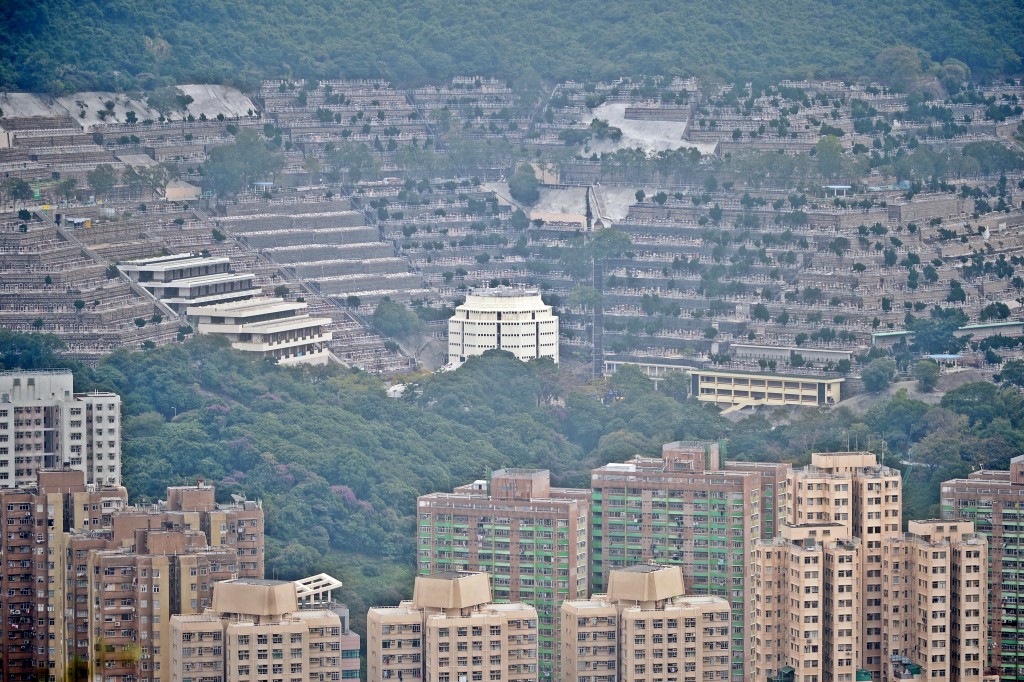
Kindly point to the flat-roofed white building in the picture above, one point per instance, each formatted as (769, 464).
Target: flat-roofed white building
(504, 318)
(186, 279)
(271, 327)
(44, 424)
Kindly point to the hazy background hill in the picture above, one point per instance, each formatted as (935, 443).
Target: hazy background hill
(60, 46)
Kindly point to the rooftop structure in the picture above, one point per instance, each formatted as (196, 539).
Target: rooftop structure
(451, 629)
(257, 628)
(188, 279)
(645, 629)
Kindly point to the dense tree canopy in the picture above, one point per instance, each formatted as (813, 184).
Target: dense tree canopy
(152, 44)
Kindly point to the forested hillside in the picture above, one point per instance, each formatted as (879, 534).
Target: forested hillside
(59, 46)
(338, 465)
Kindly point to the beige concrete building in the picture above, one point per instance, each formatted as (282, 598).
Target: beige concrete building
(270, 327)
(843, 594)
(646, 630)
(266, 630)
(530, 538)
(737, 390)
(516, 320)
(805, 618)
(44, 424)
(451, 632)
(39, 618)
(935, 595)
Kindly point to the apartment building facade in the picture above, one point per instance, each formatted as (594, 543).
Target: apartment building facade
(843, 594)
(530, 538)
(994, 501)
(44, 424)
(451, 631)
(645, 630)
(690, 510)
(37, 628)
(264, 630)
(91, 583)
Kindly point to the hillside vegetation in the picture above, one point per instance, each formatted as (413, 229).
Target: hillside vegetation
(59, 46)
(338, 465)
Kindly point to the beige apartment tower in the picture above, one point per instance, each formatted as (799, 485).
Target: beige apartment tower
(265, 630)
(530, 538)
(451, 632)
(646, 630)
(844, 595)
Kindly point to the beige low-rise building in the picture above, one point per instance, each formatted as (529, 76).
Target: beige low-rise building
(266, 630)
(646, 630)
(451, 632)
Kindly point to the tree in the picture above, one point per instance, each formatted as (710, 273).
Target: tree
(281, 291)
(760, 312)
(231, 167)
(395, 320)
(353, 301)
(523, 185)
(65, 189)
(829, 153)
(630, 381)
(927, 374)
(900, 66)
(640, 196)
(878, 374)
(1013, 373)
(17, 190)
(956, 292)
(102, 179)
(675, 385)
(937, 334)
(134, 178)
(356, 159)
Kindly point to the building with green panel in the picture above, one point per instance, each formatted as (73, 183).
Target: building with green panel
(994, 500)
(530, 538)
(687, 509)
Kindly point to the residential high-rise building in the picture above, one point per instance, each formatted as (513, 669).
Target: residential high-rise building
(264, 630)
(451, 631)
(530, 538)
(690, 510)
(646, 630)
(96, 581)
(37, 623)
(44, 424)
(805, 595)
(843, 594)
(506, 318)
(935, 598)
(994, 500)
(853, 490)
